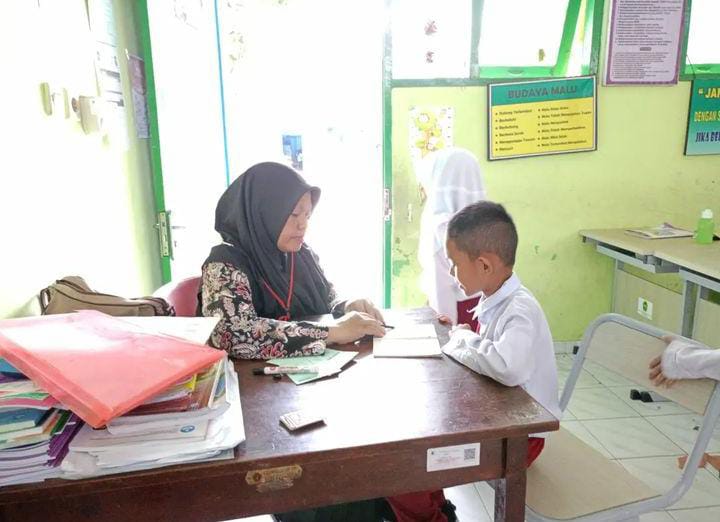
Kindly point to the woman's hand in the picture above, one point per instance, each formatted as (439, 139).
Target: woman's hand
(365, 306)
(352, 326)
(656, 375)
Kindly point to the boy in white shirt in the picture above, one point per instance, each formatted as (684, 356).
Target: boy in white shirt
(513, 344)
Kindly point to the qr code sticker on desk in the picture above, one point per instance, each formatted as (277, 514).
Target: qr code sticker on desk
(451, 457)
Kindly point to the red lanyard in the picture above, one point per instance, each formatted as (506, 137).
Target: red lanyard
(286, 306)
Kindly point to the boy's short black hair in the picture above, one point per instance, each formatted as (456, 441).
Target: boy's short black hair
(485, 227)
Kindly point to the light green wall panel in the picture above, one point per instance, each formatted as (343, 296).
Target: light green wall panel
(638, 176)
(70, 202)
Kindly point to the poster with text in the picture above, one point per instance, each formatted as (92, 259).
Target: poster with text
(644, 42)
(703, 132)
(139, 92)
(541, 117)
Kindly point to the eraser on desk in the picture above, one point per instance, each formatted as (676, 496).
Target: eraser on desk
(299, 419)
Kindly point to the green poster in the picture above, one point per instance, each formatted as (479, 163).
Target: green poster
(703, 134)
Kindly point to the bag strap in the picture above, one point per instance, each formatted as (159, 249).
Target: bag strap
(76, 282)
(44, 299)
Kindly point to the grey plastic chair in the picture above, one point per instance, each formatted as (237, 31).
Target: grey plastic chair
(571, 480)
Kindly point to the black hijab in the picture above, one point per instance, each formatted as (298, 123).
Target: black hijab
(249, 217)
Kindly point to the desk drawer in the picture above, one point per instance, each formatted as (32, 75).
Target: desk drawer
(666, 304)
(707, 323)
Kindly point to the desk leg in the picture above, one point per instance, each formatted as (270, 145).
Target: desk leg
(690, 298)
(613, 297)
(510, 491)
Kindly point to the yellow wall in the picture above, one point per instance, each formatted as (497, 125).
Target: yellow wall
(638, 176)
(70, 203)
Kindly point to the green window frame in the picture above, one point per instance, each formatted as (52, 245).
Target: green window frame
(692, 71)
(583, 15)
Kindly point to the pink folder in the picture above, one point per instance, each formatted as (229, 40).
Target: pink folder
(99, 366)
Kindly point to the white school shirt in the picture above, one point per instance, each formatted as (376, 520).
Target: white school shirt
(687, 360)
(514, 345)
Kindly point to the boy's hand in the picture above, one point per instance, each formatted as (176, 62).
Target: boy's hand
(656, 375)
(444, 320)
(461, 327)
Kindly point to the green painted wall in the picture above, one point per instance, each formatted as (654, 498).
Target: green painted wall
(70, 203)
(638, 176)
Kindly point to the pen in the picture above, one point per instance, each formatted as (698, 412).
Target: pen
(277, 370)
(387, 326)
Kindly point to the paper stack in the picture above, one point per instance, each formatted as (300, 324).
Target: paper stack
(142, 440)
(150, 392)
(331, 362)
(34, 430)
(408, 340)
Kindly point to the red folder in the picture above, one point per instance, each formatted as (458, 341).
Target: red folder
(99, 366)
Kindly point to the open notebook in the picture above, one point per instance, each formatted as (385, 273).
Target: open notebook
(408, 340)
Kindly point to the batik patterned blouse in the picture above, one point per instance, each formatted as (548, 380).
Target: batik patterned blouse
(226, 293)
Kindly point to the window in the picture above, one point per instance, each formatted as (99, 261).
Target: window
(702, 58)
(431, 38)
(479, 40)
(529, 40)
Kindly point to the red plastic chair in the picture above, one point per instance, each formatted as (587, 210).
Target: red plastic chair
(182, 295)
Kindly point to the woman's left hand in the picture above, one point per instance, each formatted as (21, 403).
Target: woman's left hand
(365, 306)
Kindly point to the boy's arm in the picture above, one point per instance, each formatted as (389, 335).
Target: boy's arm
(685, 360)
(509, 359)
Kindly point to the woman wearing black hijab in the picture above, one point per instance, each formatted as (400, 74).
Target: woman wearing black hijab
(263, 277)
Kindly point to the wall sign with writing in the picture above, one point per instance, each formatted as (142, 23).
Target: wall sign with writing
(541, 117)
(703, 134)
(644, 42)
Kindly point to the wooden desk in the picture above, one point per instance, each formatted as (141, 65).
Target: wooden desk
(701, 259)
(629, 249)
(697, 265)
(382, 417)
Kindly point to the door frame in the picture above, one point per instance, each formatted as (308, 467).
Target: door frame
(162, 213)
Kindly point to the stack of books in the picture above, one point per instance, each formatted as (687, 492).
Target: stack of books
(195, 420)
(106, 395)
(35, 430)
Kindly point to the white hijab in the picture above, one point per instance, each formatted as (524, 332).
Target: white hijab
(452, 180)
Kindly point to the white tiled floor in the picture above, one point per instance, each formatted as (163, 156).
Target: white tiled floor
(645, 438)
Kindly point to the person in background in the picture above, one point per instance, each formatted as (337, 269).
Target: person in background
(684, 359)
(450, 180)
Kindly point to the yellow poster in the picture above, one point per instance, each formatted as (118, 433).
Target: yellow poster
(542, 117)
